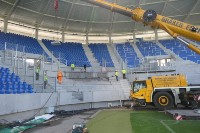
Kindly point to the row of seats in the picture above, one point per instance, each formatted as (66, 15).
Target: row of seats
(68, 53)
(149, 48)
(11, 83)
(101, 53)
(128, 54)
(20, 43)
(181, 50)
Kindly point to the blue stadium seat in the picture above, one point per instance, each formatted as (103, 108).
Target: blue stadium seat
(23, 43)
(25, 86)
(102, 55)
(2, 91)
(14, 91)
(181, 50)
(19, 91)
(17, 79)
(11, 84)
(20, 85)
(69, 53)
(2, 79)
(1, 87)
(8, 91)
(149, 48)
(128, 54)
(14, 86)
(8, 86)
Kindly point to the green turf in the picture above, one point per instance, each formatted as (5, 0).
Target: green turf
(110, 122)
(122, 121)
(151, 122)
(148, 122)
(184, 126)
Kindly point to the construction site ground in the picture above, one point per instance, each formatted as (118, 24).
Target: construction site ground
(62, 124)
(121, 120)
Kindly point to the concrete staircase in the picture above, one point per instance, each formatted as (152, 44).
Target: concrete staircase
(125, 88)
(139, 54)
(114, 58)
(91, 57)
(47, 51)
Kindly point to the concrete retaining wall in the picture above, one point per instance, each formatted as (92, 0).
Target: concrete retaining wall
(14, 103)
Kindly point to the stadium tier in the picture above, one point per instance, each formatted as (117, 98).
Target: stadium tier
(10, 83)
(20, 43)
(149, 49)
(128, 54)
(102, 55)
(68, 53)
(181, 50)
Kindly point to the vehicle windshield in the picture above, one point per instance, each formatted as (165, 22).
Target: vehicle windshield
(138, 85)
(78, 125)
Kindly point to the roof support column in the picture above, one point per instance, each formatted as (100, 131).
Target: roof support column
(156, 35)
(63, 36)
(110, 39)
(36, 32)
(5, 28)
(87, 42)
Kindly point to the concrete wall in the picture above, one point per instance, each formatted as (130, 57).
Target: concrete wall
(192, 72)
(20, 116)
(14, 103)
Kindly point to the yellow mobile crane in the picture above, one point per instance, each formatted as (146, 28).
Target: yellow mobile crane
(163, 91)
(150, 18)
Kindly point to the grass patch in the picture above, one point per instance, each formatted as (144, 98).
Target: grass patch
(184, 126)
(110, 121)
(148, 122)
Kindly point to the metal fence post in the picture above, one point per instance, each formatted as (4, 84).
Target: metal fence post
(5, 53)
(34, 76)
(42, 60)
(25, 66)
(52, 60)
(55, 84)
(59, 62)
(23, 50)
(18, 66)
(12, 57)
(43, 72)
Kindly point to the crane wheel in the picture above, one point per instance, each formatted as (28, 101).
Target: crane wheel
(163, 100)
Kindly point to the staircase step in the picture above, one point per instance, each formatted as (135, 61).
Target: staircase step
(47, 51)
(114, 58)
(90, 57)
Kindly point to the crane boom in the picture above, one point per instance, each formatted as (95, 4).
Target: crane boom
(173, 27)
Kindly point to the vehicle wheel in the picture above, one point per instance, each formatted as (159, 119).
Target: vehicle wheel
(163, 100)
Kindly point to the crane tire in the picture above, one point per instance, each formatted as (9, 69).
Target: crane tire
(163, 100)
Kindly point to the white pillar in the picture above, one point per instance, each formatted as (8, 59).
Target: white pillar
(36, 32)
(5, 28)
(156, 35)
(63, 36)
(87, 41)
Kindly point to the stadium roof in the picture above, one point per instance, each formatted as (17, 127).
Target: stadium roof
(81, 17)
